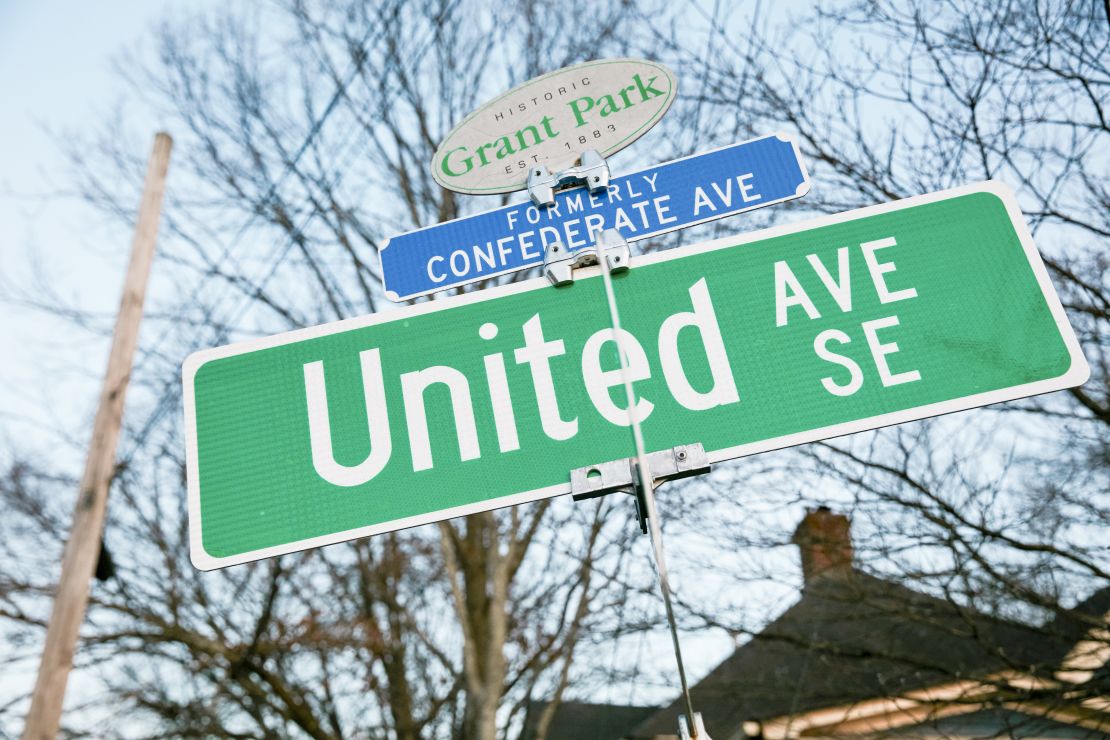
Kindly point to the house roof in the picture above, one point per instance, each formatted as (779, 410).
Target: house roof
(581, 721)
(854, 637)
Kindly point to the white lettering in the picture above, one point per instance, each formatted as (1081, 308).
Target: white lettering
(595, 222)
(504, 420)
(661, 210)
(598, 381)
(537, 354)
(841, 288)
(855, 374)
(527, 245)
(878, 269)
(413, 386)
(460, 272)
(503, 249)
(880, 351)
(431, 274)
(319, 424)
(484, 255)
(704, 320)
(701, 200)
(785, 279)
(726, 197)
(746, 188)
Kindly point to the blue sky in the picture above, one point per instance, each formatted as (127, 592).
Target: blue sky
(57, 76)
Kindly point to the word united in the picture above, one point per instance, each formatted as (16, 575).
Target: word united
(538, 353)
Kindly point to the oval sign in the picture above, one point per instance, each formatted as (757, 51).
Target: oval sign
(604, 105)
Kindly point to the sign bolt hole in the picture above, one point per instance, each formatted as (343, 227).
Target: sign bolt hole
(593, 473)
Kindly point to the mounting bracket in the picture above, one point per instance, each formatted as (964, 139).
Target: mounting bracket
(623, 475)
(592, 171)
(559, 264)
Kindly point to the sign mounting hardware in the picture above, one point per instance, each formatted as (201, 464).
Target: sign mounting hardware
(699, 728)
(622, 476)
(559, 262)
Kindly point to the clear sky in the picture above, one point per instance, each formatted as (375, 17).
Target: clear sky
(57, 78)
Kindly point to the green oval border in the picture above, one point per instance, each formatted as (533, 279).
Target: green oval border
(626, 141)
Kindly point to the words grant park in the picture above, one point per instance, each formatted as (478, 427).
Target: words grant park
(582, 370)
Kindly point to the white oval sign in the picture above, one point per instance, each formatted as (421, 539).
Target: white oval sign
(550, 120)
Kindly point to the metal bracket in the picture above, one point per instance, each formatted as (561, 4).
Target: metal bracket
(699, 728)
(592, 171)
(559, 264)
(622, 475)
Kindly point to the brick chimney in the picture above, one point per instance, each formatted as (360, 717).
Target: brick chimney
(825, 540)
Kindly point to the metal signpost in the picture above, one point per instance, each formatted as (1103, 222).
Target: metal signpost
(745, 344)
(653, 201)
(749, 343)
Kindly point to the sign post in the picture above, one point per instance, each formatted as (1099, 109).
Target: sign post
(749, 343)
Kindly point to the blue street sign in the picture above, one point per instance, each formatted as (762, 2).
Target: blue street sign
(670, 196)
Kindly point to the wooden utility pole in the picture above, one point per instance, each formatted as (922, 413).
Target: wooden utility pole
(83, 547)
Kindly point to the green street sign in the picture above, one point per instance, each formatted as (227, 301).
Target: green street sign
(745, 344)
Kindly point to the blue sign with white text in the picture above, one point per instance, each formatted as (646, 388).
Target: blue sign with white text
(650, 202)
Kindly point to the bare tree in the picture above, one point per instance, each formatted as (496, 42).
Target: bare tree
(304, 131)
(1005, 509)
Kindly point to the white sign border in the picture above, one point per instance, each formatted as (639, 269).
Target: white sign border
(1076, 374)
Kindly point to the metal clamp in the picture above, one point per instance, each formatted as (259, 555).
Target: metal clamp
(699, 728)
(622, 475)
(559, 263)
(592, 171)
